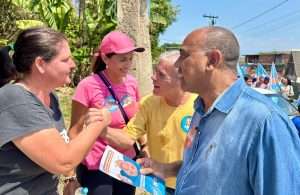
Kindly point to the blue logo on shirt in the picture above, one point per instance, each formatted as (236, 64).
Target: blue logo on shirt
(185, 123)
(112, 105)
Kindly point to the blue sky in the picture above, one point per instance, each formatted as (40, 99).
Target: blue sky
(278, 29)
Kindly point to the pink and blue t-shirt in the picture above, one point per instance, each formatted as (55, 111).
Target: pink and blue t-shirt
(92, 92)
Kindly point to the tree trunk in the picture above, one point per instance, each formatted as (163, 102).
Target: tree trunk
(133, 19)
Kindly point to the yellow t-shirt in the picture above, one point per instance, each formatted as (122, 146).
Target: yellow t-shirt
(165, 126)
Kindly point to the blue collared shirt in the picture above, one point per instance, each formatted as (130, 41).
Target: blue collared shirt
(243, 145)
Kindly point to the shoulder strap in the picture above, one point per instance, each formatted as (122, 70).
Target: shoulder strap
(110, 89)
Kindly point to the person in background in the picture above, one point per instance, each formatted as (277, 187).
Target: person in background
(240, 138)
(254, 80)
(34, 146)
(113, 62)
(248, 80)
(265, 84)
(259, 82)
(163, 116)
(7, 69)
(287, 90)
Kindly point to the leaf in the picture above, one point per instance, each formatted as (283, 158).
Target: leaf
(3, 42)
(24, 24)
(66, 19)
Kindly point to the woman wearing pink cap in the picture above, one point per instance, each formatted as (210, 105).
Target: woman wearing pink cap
(112, 64)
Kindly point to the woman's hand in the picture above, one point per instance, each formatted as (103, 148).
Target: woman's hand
(97, 118)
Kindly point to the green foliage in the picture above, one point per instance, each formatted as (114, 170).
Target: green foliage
(65, 98)
(55, 13)
(162, 15)
(170, 46)
(9, 14)
(3, 42)
(98, 18)
(24, 24)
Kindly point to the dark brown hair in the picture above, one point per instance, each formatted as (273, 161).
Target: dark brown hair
(99, 64)
(30, 44)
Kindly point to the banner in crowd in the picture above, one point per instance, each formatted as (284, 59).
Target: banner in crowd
(260, 71)
(274, 79)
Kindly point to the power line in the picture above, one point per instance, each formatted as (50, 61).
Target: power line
(287, 26)
(261, 14)
(263, 25)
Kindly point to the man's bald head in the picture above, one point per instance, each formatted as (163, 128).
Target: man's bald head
(218, 38)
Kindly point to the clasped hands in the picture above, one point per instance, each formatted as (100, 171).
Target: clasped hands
(97, 116)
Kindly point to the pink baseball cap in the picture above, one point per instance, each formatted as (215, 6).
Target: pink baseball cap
(118, 43)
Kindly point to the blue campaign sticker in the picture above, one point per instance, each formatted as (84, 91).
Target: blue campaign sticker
(185, 123)
(111, 104)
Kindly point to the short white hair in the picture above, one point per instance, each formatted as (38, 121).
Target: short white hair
(170, 56)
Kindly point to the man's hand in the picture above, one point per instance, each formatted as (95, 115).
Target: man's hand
(150, 166)
(162, 170)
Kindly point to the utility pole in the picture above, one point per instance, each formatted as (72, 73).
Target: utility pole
(212, 19)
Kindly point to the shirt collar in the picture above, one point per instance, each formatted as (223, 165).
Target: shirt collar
(225, 101)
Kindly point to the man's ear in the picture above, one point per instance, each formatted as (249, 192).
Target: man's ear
(40, 64)
(214, 59)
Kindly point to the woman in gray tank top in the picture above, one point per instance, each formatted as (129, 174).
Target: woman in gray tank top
(34, 145)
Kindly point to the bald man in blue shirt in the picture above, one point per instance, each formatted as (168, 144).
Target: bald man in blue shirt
(239, 141)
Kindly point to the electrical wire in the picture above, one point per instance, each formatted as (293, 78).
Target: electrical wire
(259, 15)
(263, 25)
(287, 26)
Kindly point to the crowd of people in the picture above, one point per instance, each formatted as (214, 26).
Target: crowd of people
(284, 85)
(202, 129)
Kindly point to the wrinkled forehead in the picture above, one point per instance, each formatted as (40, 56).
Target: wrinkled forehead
(189, 47)
(164, 66)
(194, 41)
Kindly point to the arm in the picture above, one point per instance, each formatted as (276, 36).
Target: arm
(162, 170)
(117, 137)
(144, 146)
(274, 157)
(77, 118)
(134, 130)
(48, 149)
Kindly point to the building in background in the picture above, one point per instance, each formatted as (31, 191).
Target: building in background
(287, 62)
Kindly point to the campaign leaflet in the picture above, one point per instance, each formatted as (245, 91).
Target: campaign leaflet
(127, 170)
